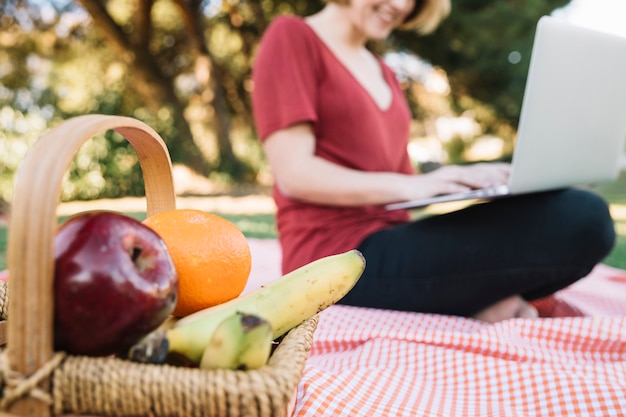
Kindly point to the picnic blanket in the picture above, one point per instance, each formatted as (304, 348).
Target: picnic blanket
(370, 362)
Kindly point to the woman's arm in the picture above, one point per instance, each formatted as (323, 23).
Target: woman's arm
(301, 175)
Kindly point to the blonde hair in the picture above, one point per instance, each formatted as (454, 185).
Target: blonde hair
(425, 16)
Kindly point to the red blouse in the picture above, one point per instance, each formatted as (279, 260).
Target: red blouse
(298, 79)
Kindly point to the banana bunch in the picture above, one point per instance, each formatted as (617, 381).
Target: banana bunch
(218, 334)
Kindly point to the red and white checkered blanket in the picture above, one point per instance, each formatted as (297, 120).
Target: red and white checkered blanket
(569, 362)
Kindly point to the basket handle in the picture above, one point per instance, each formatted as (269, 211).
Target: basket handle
(33, 225)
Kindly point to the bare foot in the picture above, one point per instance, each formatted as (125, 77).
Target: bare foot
(508, 308)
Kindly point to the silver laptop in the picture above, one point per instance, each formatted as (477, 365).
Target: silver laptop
(572, 127)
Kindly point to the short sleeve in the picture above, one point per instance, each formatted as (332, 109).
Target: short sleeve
(284, 77)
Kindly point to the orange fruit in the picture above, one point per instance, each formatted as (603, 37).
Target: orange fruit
(211, 255)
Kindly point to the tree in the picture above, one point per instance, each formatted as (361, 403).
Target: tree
(484, 47)
(217, 86)
(156, 86)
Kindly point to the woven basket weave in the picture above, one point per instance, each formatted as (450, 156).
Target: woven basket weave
(36, 381)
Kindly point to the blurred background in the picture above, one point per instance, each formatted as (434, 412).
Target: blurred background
(183, 67)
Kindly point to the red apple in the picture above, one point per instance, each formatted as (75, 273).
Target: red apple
(114, 282)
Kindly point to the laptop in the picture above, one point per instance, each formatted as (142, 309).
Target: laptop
(572, 127)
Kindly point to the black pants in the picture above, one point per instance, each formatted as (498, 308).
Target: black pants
(461, 262)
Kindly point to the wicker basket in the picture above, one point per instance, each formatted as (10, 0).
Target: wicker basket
(36, 381)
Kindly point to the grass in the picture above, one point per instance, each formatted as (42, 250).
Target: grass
(262, 225)
(615, 194)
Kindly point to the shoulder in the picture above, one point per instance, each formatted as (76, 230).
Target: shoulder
(287, 25)
(289, 36)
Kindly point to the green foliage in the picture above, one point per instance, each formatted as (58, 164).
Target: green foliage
(484, 47)
(60, 71)
(104, 157)
(18, 131)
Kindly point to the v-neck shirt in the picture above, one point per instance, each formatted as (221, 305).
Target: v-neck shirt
(298, 79)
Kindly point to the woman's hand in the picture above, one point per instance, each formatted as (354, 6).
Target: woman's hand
(474, 176)
(455, 179)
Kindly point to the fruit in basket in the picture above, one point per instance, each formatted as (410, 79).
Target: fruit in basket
(114, 282)
(240, 341)
(285, 303)
(211, 255)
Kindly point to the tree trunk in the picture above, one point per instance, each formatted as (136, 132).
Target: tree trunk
(210, 78)
(156, 89)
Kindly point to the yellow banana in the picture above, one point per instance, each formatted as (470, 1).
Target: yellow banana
(240, 341)
(285, 302)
